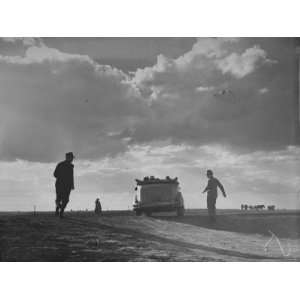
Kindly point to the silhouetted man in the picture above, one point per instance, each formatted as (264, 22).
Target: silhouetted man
(64, 183)
(212, 194)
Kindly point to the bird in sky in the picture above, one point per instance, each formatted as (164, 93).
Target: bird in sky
(225, 92)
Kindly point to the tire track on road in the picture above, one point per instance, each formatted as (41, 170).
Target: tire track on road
(178, 243)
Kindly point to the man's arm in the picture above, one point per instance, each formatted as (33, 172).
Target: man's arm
(206, 189)
(56, 171)
(221, 188)
(72, 187)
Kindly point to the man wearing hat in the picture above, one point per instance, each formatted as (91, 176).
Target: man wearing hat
(64, 183)
(212, 194)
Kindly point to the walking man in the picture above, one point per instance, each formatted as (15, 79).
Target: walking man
(212, 194)
(64, 183)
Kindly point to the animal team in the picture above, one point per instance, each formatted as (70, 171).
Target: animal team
(256, 207)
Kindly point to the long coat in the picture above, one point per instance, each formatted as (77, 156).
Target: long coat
(64, 175)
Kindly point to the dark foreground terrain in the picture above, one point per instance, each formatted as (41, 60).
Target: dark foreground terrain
(121, 236)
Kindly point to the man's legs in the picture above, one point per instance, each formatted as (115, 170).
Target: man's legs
(65, 200)
(211, 207)
(57, 208)
(58, 201)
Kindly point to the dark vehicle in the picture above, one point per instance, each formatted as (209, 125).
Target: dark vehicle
(158, 195)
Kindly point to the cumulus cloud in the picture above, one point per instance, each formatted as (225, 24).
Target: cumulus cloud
(243, 64)
(206, 58)
(183, 97)
(41, 54)
(53, 101)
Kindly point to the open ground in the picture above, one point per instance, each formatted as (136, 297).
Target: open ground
(122, 236)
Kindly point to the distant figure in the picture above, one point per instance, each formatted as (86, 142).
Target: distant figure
(64, 174)
(244, 207)
(98, 207)
(271, 207)
(212, 194)
(136, 197)
(259, 207)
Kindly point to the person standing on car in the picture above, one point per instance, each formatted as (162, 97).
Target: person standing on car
(64, 174)
(212, 194)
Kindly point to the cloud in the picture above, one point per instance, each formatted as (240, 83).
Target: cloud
(204, 88)
(26, 41)
(53, 102)
(240, 65)
(183, 97)
(40, 54)
(210, 55)
(263, 90)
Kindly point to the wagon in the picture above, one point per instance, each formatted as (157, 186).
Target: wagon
(158, 195)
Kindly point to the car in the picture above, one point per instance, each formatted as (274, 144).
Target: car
(158, 195)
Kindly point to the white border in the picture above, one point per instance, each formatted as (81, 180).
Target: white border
(149, 18)
(149, 280)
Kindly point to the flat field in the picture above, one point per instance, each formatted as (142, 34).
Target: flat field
(121, 236)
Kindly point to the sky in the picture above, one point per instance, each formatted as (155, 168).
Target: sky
(135, 107)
